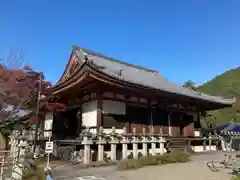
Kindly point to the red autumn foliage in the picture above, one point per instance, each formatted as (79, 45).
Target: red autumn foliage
(19, 88)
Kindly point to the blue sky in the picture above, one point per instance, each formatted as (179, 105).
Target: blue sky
(183, 40)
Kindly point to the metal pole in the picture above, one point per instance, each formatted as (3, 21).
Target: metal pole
(48, 155)
(37, 112)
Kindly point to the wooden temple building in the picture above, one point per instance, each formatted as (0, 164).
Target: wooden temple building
(102, 91)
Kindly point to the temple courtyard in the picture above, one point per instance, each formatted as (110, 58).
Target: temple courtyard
(196, 169)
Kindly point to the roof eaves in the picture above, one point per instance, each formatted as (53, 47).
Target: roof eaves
(199, 95)
(193, 94)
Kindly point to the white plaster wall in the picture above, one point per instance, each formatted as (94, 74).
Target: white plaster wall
(113, 107)
(48, 123)
(109, 131)
(201, 149)
(157, 150)
(89, 114)
(197, 133)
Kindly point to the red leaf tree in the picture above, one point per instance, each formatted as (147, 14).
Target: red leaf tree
(19, 88)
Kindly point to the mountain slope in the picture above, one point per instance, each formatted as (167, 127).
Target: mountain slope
(226, 85)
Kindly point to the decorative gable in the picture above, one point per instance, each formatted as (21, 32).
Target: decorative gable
(73, 64)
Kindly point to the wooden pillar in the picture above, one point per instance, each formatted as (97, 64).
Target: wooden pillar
(198, 116)
(182, 125)
(129, 120)
(79, 120)
(169, 124)
(150, 118)
(99, 110)
(195, 116)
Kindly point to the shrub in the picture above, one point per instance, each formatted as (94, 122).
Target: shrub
(149, 160)
(176, 157)
(34, 174)
(236, 173)
(129, 164)
(162, 159)
(33, 171)
(235, 178)
(173, 157)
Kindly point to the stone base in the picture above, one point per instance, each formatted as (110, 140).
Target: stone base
(17, 172)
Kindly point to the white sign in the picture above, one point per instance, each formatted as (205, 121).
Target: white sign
(48, 124)
(47, 133)
(49, 147)
(48, 121)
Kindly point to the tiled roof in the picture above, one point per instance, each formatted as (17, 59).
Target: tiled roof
(143, 76)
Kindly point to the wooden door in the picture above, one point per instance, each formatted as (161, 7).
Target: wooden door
(159, 119)
(188, 129)
(176, 124)
(138, 118)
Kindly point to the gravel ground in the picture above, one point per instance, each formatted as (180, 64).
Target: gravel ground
(194, 170)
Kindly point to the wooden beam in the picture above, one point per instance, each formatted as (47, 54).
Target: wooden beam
(128, 124)
(143, 94)
(152, 93)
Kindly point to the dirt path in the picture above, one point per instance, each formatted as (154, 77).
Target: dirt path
(194, 170)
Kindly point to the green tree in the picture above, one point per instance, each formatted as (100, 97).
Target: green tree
(226, 85)
(236, 113)
(190, 85)
(208, 121)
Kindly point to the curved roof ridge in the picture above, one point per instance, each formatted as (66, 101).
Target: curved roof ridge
(113, 59)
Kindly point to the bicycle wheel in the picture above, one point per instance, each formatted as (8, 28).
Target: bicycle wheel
(215, 166)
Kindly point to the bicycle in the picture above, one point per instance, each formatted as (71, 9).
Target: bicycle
(229, 163)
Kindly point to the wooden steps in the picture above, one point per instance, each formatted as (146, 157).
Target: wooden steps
(177, 144)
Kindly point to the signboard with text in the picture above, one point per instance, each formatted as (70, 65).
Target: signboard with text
(49, 147)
